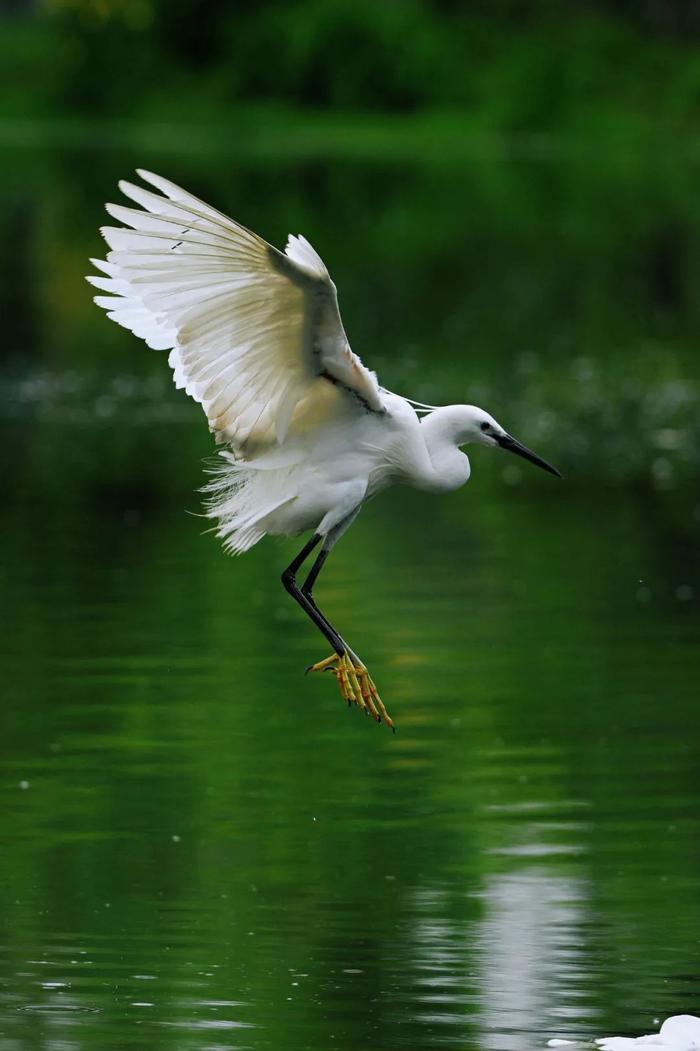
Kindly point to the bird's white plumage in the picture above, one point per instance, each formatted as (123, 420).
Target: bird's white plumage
(255, 335)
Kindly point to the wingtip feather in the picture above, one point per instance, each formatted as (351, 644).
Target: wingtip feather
(147, 176)
(164, 185)
(105, 266)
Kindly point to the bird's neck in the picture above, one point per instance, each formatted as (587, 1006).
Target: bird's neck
(444, 432)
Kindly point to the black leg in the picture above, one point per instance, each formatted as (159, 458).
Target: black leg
(354, 680)
(308, 584)
(329, 542)
(307, 604)
(303, 554)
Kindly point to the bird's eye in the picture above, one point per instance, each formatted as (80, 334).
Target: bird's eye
(485, 426)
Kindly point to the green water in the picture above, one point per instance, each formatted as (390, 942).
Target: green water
(202, 848)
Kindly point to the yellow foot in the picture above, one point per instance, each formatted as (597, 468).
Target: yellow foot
(355, 684)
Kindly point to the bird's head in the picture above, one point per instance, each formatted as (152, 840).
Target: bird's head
(483, 429)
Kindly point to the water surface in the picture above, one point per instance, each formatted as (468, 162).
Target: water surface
(204, 849)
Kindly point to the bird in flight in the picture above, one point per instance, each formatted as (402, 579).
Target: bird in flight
(308, 433)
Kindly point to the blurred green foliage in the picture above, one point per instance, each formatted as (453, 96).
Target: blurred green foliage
(513, 66)
(515, 182)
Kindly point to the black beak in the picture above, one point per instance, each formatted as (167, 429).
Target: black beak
(513, 446)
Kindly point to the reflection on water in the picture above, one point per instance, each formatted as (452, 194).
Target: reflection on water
(533, 967)
(203, 849)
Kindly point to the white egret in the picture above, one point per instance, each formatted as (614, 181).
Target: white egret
(255, 337)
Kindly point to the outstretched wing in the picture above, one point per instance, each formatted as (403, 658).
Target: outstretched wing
(255, 335)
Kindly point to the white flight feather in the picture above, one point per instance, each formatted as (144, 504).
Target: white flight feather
(254, 336)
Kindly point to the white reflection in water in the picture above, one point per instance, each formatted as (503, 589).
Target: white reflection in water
(530, 955)
(518, 972)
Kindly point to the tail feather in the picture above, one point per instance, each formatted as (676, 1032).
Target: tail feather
(241, 497)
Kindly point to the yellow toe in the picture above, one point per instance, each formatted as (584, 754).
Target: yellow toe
(355, 684)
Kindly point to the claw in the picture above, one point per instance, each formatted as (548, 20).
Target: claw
(374, 701)
(324, 665)
(355, 684)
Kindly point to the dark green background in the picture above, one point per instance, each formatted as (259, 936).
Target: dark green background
(200, 847)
